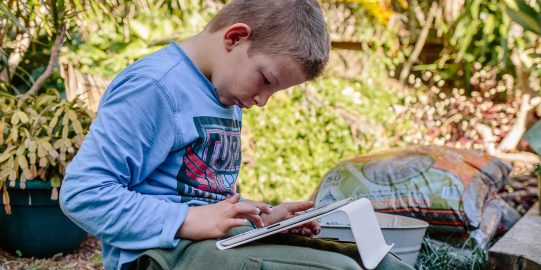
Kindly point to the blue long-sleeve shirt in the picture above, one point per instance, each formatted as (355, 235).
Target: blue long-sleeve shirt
(161, 142)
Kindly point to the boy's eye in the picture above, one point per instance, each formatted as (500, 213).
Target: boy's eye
(265, 80)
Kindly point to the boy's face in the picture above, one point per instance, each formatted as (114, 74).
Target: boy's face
(246, 78)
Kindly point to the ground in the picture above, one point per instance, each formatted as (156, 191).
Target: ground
(87, 257)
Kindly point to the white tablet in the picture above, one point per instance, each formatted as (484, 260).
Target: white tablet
(292, 222)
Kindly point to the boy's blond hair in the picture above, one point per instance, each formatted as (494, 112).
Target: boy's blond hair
(294, 28)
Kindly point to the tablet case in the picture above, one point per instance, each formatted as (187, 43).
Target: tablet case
(364, 226)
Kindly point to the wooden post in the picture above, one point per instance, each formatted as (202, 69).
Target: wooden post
(519, 248)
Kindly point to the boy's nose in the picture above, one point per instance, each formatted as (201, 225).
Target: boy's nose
(260, 101)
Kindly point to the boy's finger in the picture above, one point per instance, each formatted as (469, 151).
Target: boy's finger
(235, 222)
(307, 232)
(298, 206)
(263, 208)
(244, 209)
(294, 231)
(256, 219)
(312, 225)
(315, 228)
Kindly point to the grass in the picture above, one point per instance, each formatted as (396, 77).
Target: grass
(436, 255)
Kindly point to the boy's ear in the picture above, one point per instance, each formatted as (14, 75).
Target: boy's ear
(236, 33)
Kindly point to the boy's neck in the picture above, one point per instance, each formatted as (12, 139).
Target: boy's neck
(199, 49)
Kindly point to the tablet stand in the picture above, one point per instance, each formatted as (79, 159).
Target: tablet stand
(366, 231)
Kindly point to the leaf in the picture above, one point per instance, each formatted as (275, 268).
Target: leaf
(58, 143)
(71, 115)
(5, 200)
(21, 150)
(32, 158)
(527, 9)
(16, 164)
(54, 154)
(5, 196)
(53, 123)
(43, 162)
(54, 194)
(22, 181)
(14, 119)
(32, 147)
(524, 15)
(2, 127)
(139, 29)
(65, 120)
(23, 163)
(12, 177)
(27, 142)
(45, 144)
(23, 117)
(42, 152)
(65, 132)
(13, 135)
(7, 154)
(42, 172)
(489, 25)
(465, 41)
(44, 99)
(33, 171)
(8, 14)
(77, 127)
(58, 112)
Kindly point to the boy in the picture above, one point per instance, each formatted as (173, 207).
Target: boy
(157, 170)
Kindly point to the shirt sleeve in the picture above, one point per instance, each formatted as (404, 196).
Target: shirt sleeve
(131, 136)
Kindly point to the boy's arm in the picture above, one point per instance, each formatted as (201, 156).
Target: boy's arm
(132, 134)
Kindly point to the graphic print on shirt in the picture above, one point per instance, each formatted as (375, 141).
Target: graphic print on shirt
(211, 164)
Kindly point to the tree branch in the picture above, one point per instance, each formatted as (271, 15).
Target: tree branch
(512, 139)
(419, 44)
(53, 62)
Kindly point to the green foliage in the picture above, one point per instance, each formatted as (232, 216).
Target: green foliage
(112, 35)
(39, 137)
(28, 31)
(305, 131)
(435, 255)
(525, 15)
(480, 34)
(105, 44)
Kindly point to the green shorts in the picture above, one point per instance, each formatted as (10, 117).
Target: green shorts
(276, 252)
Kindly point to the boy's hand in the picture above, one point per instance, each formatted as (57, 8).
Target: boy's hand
(309, 229)
(290, 209)
(215, 220)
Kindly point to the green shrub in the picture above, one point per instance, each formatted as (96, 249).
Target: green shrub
(303, 132)
(39, 136)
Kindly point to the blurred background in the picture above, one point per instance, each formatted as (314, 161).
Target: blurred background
(457, 73)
